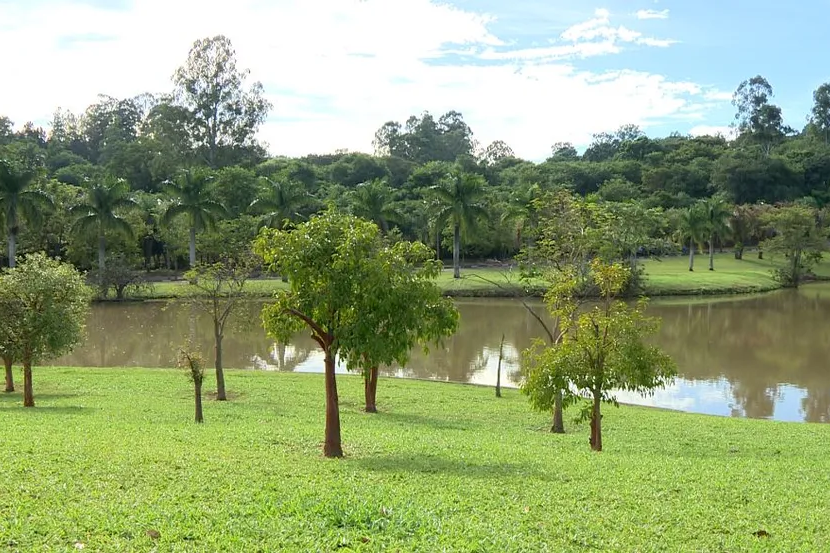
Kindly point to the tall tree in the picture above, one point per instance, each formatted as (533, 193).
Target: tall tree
(756, 117)
(717, 213)
(799, 237)
(190, 194)
(820, 115)
(460, 195)
(224, 113)
(101, 212)
(693, 225)
(19, 200)
(280, 201)
(373, 201)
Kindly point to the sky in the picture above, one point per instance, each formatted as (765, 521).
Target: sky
(528, 72)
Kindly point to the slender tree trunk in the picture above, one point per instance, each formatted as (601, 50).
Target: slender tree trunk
(198, 398)
(691, 255)
(596, 425)
(28, 394)
(739, 251)
(102, 255)
(12, 248)
(281, 356)
(7, 361)
(437, 243)
(498, 368)
(456, 251)
(370, 390)
(332, 447)
(220, 372)
(711, 252)
(558, 425)
(192, 246)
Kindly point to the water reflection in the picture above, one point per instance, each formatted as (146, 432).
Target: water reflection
(760, 357)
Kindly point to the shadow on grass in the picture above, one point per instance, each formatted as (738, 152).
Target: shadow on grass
(440, 465)
(17, 396)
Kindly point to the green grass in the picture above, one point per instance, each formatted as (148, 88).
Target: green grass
(665, 277)
(110, 454)
(671, 275)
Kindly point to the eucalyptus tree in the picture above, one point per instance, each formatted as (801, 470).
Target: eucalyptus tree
(19, 200)
(190, 197)
(101, 211)
(460, 196)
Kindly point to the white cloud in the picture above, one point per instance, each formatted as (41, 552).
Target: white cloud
(336, 70)
(652, 14)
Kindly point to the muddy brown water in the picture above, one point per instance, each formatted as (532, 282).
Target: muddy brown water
(764, 356)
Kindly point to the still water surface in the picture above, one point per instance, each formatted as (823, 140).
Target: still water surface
(762, 357)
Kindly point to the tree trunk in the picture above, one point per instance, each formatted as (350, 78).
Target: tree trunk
(102, 255)
(739, 251)
(220, 372)
(437, 243)
(498, 368)
(558, 426)
(596, 425)
(456, 251)
(760, 252)
(7, 361)
(691, 255)
(198, 398)
(370, 390)
(711, 252)
(192, 246)
(12, 248)
(332, 447)
(28, 394)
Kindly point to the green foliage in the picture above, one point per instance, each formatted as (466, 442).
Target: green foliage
(799, 236)
(601, 349)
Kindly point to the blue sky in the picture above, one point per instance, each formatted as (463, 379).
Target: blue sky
(530, 72)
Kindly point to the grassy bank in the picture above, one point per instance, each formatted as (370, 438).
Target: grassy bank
(669, 276)
(110, 459)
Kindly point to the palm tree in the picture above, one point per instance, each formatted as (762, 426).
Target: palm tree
(18, 200)
(280, 202)
(190, 196)
(521, 210)
(717, 213)
(693, 225)
(459, 194)
(149, 208)
(373, 201)
(98, 213)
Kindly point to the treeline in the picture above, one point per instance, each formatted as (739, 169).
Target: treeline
(160, 181)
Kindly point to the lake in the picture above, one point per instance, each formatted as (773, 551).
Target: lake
(764, 356)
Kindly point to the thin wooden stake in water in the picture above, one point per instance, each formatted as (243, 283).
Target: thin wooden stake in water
(498, 369)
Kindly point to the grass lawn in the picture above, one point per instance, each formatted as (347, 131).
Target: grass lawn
(671, 275)
(664, 277)
(111, 459)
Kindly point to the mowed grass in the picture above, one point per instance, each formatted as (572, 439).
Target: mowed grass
(671, 275)
(663, 277)
(111, 459)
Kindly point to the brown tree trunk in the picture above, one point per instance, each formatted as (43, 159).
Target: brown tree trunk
(558, 426)
(711, 252)
(28, 394)
(220, 373)
(7, 361)
(456, 251)
(498, 368)
(370, 390)
(332, 447)
(596, 425)
(691, 255)
(198, 398)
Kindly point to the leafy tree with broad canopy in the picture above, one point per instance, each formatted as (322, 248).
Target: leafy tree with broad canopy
(407, 309)
(346, 287)
(602, 349)
(50, 303)
(799, 237)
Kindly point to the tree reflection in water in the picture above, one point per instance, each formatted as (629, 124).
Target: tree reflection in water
(760, 357)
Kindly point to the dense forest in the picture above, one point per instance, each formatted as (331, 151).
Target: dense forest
(160, 181)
